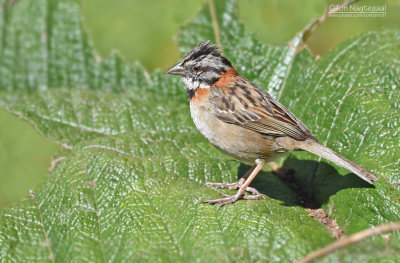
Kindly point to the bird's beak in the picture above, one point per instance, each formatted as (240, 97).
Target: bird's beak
(177, 70)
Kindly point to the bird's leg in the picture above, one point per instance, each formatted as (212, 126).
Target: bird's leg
(279, 170)
(274, 166)
(243, 187)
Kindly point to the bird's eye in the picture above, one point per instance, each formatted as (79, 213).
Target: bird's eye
(197, 69)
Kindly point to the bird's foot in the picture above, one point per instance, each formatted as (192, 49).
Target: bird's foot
(229, 199)
(234, 186)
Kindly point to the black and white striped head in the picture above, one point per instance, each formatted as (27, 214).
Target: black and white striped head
(202, 66)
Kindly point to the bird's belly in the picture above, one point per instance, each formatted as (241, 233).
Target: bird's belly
(241, 143)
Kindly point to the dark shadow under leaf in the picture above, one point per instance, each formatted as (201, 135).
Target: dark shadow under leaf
(308, 184)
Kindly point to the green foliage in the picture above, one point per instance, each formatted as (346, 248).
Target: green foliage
(140, 30)
(131, 186)
(354, 109)
(20, 144)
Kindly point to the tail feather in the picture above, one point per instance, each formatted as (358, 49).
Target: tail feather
(320, 150)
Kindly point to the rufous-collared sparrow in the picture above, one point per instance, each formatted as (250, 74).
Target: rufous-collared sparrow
(244, 121)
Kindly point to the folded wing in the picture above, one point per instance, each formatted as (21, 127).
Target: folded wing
(242, 103)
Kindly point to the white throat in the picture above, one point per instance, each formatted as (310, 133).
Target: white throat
(194, 84)
(191, 84)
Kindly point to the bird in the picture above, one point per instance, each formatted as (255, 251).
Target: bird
(244, 121)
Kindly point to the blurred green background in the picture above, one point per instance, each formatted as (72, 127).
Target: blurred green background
(144, 30)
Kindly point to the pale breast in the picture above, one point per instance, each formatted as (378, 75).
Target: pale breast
(236, 141)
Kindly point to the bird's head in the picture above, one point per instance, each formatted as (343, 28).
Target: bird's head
(202, 66)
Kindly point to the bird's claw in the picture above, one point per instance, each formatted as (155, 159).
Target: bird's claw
(234, 186)
(229, 199)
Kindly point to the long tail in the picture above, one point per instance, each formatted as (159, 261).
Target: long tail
(320, 150)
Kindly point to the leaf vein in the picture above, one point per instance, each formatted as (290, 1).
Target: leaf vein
(48, 244)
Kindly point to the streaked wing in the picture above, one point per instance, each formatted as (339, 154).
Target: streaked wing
(243, 104)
